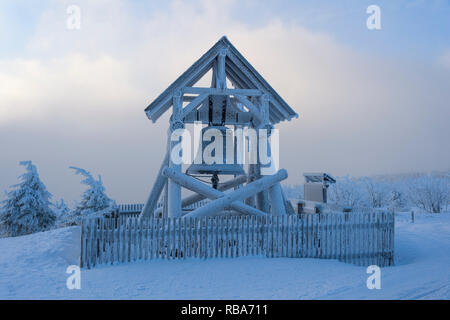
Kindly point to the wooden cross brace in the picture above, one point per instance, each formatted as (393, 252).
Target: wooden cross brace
(199, 197)
(222, 200)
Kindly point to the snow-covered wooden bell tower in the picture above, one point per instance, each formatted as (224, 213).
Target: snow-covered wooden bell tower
(250, 103)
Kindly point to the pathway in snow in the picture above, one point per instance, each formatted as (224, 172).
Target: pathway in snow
(33, 267)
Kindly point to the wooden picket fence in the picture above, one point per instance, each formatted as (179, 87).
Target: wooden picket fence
(358, 238)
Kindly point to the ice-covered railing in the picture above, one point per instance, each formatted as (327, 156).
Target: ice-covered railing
(131, 208)
(136, 208)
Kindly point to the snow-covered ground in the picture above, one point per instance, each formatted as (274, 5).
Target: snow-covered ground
(34, 266)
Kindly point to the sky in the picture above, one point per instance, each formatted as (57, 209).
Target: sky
(370, 101)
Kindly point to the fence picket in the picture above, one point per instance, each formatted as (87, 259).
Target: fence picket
(324, 237)
(372, 239)
(94, 242)
(141, 230)
(112, 230)
(266, 236)
(195, 237)
(179, 244)
(106, 229)
(255, 235)
(297, 238)
(359, 219)
(86, 243)
(368, 239)
(228, 237)
(392, 242)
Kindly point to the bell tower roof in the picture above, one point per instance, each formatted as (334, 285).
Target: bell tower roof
(247, 82)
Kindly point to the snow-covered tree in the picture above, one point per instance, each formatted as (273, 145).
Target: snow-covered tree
(62, 212)
(430, 193)
(377, 192)
(27, 208)
(397, 199)
(346, 192)
(294, 191)
(94, 199)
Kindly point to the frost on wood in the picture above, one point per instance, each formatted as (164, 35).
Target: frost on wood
(94, 199)
(27, 207)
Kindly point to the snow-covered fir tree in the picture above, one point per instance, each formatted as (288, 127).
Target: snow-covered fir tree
(61, 207)
(396, 200)
(94, 199)
(62, 213)
(27, 208)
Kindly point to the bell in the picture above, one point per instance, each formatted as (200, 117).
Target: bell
(214, 153)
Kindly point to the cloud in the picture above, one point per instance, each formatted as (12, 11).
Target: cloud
(78, 97)
(444, 59)
(71, 88)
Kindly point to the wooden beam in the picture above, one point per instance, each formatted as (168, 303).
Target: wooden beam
(253, 109)
(234, 71)
(194, 104)
(188, 98)
(237, 82)
(202, 90)
(231, 117)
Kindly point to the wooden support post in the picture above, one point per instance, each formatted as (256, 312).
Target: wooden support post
(251, 177)
(214, 74)
(262, 198)
(174, 189)
(276, 200)
(165, 202)
(287, 203)
(275, 192)
(221, 81)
